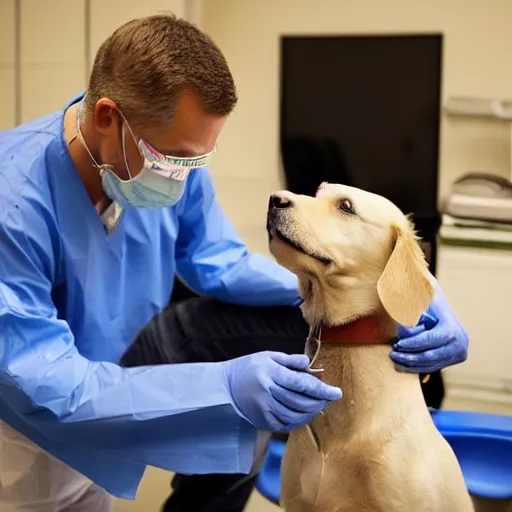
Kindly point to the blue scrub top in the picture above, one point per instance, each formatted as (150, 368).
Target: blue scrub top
(73, 298)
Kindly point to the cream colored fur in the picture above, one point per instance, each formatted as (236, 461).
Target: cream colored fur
(376, 449)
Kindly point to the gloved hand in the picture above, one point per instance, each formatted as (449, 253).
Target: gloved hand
(438, 341)
(272, 392)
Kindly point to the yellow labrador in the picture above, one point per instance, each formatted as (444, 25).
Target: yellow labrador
(361, 270)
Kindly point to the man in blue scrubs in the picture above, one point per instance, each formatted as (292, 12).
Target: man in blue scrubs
(101, 205)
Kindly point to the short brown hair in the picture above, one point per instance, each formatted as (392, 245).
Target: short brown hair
(147, 63)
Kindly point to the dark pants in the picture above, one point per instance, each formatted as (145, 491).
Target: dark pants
(194, 329)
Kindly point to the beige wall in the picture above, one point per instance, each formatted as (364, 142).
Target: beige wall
(52, 54)
(477, 50)
(107, 15)
(7, 67)
(58, 40)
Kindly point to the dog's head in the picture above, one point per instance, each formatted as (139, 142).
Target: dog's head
(355, 253)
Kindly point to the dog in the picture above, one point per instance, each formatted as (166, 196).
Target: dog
(361, 271)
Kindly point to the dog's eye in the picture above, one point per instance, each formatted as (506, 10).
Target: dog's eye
(345, 205)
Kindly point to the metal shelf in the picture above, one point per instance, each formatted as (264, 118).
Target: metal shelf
(471, 106)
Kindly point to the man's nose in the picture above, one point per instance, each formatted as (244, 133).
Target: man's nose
(279, 202)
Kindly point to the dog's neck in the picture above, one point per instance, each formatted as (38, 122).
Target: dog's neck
(339, 299)
(355, 357)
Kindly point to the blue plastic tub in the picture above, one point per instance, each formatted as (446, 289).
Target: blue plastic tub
(483, 446)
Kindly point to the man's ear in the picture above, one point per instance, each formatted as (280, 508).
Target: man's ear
(404, 287)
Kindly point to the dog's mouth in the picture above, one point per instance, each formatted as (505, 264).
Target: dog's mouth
(275, 233)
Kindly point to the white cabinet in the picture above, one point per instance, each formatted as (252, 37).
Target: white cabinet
(478, 285)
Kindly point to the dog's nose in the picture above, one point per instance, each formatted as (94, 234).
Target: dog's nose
(279, 202)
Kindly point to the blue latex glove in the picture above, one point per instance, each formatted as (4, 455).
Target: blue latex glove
(272, 391)
(438, 341)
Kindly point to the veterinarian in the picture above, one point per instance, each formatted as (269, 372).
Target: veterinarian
(101, 205)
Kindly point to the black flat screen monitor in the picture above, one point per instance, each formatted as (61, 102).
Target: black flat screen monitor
(363, 111)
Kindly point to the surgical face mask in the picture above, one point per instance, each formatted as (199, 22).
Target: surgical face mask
(159, 184)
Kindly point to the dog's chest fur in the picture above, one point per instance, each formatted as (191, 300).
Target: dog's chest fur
(370, 440)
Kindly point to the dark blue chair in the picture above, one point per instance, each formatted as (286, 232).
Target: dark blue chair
(482, 443)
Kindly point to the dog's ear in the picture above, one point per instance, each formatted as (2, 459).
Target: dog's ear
(404, 287)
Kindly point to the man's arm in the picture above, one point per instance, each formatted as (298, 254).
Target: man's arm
(159, 415)
(213, 260)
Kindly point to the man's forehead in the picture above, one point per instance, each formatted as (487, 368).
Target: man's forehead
(184, 149)
(174, 144)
